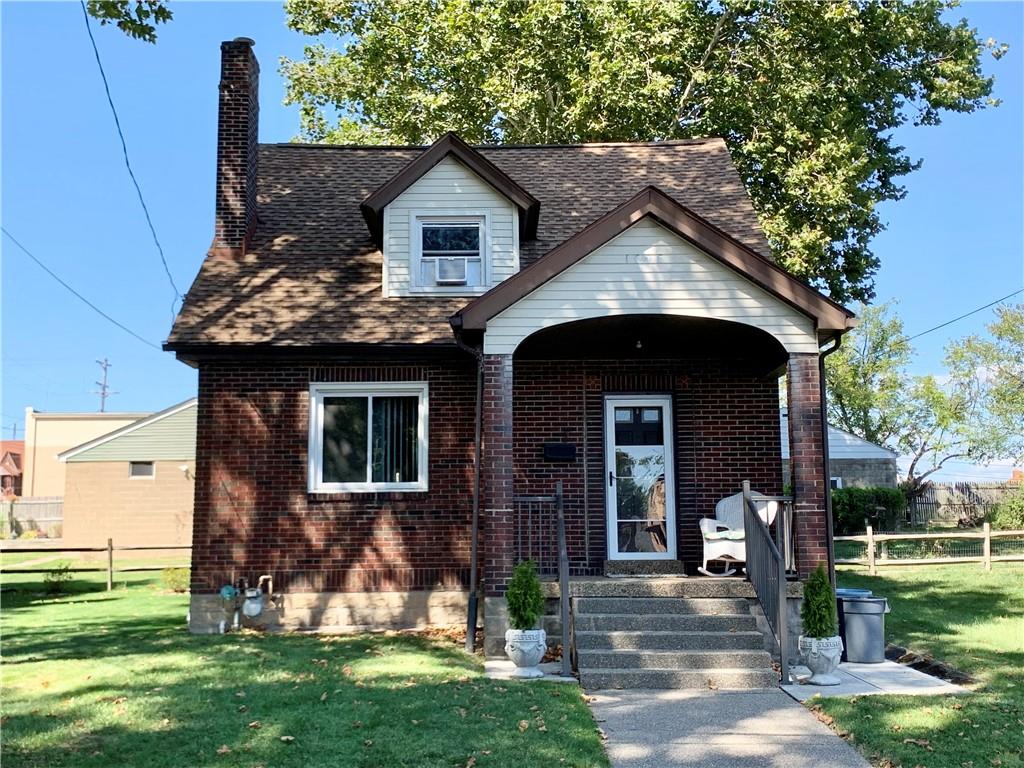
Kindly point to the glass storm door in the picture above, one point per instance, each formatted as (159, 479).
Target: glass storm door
(640, 478)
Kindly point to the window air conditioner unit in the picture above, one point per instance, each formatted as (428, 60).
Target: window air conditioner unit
(451, 271)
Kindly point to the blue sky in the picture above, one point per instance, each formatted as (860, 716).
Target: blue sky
(954, 244)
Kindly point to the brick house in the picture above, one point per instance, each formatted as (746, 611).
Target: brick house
(617, 305)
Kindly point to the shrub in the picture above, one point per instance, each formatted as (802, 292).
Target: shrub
(56, 579)
(1009, 515)
(818, 611)
(176, 579)
(524, 597)
(881, 507)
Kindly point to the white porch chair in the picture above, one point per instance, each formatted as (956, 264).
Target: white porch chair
(724, 534)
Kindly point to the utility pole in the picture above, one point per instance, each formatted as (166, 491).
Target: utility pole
(104, 390)
(14, 431)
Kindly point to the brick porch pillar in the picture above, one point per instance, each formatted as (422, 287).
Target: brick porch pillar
(807, 460)
(496, 520)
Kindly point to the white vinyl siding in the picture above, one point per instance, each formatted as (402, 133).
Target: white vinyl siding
(170, 438)
(449, 189)
(649, 270)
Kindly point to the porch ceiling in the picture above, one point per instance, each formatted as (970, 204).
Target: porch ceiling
(660, 337)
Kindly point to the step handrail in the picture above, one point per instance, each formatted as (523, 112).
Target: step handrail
(766, 570)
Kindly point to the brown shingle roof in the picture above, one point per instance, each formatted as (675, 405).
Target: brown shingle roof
(313, 273)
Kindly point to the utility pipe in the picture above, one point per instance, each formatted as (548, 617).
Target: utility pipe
(472, 608)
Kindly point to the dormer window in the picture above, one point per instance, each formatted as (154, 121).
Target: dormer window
(449, 253)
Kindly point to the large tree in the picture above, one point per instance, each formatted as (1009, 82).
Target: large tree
(974, 411)
(806, 94)
(136, 18)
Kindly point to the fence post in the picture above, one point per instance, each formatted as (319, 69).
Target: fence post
(871, 552)
(110, 565)
(986, 546)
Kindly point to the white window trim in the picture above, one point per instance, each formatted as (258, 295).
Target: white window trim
(141, 477)
(317, 393)
(449, 216)
(836, 483)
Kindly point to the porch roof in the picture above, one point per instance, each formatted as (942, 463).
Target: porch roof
(831, 319)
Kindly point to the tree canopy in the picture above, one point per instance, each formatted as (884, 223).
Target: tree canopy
(806, 94)
(974, 411)
(136, 19)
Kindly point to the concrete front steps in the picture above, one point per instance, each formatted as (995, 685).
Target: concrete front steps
(685, 637)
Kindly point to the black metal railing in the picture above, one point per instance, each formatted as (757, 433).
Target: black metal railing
(766, 568)
(540, 536)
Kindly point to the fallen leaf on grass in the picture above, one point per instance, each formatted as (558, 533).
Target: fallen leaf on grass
(243, 708)
(323, 696)
(255, 724)
(224, 750)
(287, 739)
(920, 743)
(368, 743)
(523, 725)
(471, 762)
(240, 694)
(461, 711)
(347, 670)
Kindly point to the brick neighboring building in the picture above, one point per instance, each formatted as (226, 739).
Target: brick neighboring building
(134, 485)
(619, 303)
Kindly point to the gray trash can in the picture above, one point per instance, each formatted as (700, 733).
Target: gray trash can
(865, 629)
(841, 594)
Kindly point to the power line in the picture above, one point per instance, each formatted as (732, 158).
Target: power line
(127, 163)
(968, 314)
(82, 298)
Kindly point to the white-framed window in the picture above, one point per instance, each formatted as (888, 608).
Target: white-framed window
(141, 470)
(449, 252)
(836, 482)
(368, 437)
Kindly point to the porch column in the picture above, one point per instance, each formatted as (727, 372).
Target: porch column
(497, 518)
(807, 462)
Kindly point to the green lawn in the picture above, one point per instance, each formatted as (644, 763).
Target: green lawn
(972, 620)
(105, 679)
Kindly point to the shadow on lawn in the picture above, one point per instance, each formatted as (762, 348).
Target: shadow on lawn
(395, 700)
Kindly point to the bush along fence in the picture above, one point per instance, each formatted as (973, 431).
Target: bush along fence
(110, 549)
(877, 550)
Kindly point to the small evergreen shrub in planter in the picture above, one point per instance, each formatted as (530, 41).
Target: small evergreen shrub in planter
(524, 643)
(820, 643)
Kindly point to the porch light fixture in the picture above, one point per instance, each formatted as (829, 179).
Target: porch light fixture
(639, 344)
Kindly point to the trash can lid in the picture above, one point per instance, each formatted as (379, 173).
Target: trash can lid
(846, 592)
(870, 605)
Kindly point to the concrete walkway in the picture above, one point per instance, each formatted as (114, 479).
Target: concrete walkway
(716, 729)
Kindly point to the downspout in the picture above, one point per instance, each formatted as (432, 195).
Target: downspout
(829, 532)
(471, 614)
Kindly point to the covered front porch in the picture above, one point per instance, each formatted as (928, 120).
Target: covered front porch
(648, 421)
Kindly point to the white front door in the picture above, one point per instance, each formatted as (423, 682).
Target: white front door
(640, 478)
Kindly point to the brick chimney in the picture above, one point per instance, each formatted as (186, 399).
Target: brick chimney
(237, 140)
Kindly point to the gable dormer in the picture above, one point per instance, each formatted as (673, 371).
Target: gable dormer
(449, 223)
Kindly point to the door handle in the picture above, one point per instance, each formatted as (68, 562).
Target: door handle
(611, 477)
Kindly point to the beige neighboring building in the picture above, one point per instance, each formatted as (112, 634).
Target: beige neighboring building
(134, 485)
(47, 434)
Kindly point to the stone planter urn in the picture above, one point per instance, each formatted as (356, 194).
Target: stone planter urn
(821, 655)
(526, 648)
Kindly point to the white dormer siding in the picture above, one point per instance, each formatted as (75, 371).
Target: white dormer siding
(449, 190)
(649, 270)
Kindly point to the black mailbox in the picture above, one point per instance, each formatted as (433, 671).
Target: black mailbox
(560, 451)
